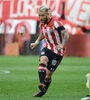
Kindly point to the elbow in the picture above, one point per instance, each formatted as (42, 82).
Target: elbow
(67, 36)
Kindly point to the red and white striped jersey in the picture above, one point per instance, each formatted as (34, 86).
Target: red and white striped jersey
(52, 35)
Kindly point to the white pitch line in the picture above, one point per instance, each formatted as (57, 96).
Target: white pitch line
(4, 72)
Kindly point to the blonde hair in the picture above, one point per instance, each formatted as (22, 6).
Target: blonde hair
(43, 8)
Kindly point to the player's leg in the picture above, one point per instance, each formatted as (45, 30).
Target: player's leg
(53, 63)
(42, 68)
(42, 74)
(48, 80)
(48, 74)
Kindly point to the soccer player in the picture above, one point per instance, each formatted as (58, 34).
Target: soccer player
(52, 53)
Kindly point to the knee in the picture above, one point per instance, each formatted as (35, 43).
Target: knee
(44, 60)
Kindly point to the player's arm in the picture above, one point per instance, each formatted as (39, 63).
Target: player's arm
(40, 37)
(65, 37)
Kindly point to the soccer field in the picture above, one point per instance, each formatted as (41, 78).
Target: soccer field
(19, 78)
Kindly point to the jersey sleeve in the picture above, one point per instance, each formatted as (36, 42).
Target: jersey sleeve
(57, 24)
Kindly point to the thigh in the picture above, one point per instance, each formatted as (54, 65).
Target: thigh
(45, 52)
(44, 56)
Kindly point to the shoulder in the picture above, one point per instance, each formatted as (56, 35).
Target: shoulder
(56, 22)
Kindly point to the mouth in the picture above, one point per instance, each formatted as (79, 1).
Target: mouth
(42, 20)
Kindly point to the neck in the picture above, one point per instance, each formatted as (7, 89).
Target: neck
(48, 20)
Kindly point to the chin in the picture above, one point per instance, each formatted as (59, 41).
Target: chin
(43, 22)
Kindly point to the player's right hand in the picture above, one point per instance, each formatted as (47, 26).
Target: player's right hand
(58, 47)
(33, 45)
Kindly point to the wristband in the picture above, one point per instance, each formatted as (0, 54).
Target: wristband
(37, 42)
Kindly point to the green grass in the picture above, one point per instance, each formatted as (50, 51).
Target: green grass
(68, 81)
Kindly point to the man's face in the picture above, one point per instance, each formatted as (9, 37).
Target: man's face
(43, 16)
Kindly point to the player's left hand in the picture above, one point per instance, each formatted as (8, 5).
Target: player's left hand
(58, 47)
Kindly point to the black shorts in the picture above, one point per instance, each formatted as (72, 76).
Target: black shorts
(54, 59)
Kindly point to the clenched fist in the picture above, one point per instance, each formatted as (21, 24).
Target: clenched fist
(33, 45)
